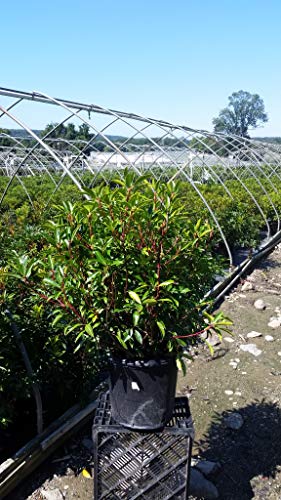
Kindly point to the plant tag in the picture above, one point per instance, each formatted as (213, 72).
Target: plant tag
(135, 386)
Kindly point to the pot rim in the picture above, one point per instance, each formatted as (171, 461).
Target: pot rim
(145, 362)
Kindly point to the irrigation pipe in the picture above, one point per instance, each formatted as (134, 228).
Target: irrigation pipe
(219, 291)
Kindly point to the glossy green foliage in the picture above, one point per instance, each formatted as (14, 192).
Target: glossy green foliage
(126, 270)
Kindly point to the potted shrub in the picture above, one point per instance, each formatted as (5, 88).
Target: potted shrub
(126, 270)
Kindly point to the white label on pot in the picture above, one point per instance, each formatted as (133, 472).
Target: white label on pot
(135, 386)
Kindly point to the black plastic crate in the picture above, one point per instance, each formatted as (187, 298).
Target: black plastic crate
(142, 465)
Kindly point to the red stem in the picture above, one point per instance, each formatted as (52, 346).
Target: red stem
(194, 334)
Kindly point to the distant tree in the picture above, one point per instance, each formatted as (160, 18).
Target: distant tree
(71, 133)
(245, 110)
(84, 132)
(5, 138)
(53, 130)
(222, 146)
(203, 144)
(59, 135)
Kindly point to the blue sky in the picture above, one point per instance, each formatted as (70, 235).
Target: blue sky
(177, 60)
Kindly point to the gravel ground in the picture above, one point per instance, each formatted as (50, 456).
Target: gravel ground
(233, 382)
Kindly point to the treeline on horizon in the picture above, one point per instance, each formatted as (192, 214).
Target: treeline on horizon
(57, 135)
(81, 135)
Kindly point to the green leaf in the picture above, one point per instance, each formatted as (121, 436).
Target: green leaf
(145, 251)
(211, 349)
(166, 300)
(121, 341)
(138, 336)
(74, 327)
(170, 346)
(166, 283)
(136, 318)
(134, 296)
(29, 270)
(51, 262)
(57, 318)
(117, 262)
(181, 342)
(208, 316)
(181, 365)
(150, 301)
(100, 258)
(161, 327)
(78, 347)
(89, 330)
(53, 283)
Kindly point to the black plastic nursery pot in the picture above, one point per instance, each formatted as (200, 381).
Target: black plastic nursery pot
(142, 392)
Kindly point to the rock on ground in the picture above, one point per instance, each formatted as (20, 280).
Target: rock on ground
(201, 487)
(253, 334)
(274, 322)
(54, 494)
(259, 304)
(251, 348)
(269, 338)
(207, 467)
(234, 421)
(247, 286)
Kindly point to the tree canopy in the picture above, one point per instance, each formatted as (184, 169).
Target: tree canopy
(244, 111)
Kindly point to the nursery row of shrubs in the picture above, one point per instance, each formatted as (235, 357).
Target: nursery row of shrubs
(234, 207)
